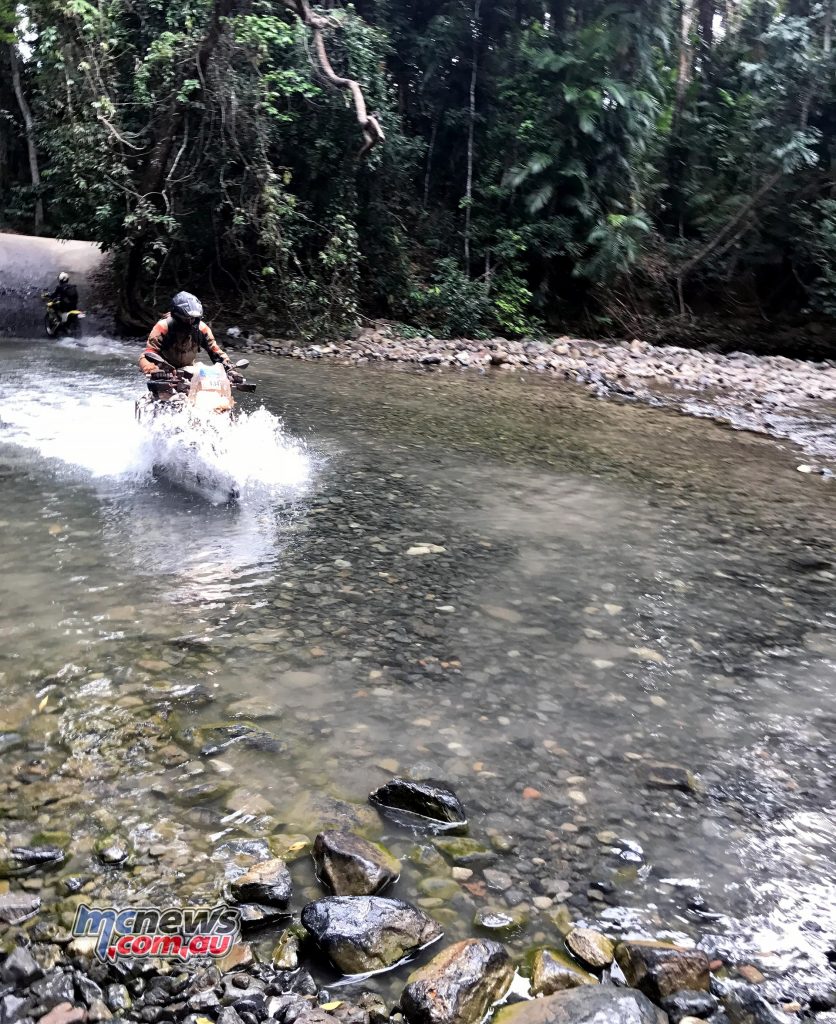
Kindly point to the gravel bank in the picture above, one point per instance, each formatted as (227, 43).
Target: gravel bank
(784, 398)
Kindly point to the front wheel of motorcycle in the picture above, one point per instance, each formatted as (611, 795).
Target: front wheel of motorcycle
(50, 327)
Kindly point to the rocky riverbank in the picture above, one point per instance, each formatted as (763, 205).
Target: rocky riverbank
(50, 973)
(774, 395)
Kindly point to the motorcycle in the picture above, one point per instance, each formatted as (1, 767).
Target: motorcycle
(60, 322)
(189, 409)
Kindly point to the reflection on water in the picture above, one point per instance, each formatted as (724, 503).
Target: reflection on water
(535, 596)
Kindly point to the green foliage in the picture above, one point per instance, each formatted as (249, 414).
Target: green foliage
(817, 230)
(451, 304)
(597, 171)
(615, 246)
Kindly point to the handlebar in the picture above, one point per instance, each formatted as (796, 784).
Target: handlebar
(179, 381)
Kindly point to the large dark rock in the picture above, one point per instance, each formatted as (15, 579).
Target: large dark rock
(459, 985)
(552, 971)
(592, 1004)
(425, 803)
(55, 987)
(368, 933)
(351, 866)
(688, 1003)
(267, 883)
(19, 967)
(659, 969)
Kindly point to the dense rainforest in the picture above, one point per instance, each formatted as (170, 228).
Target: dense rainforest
(461, 166)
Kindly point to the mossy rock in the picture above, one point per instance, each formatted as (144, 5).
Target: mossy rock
(52, 837)
(464, 852)
(551, 970)
(591, 947)
(561, 918)
(286, 952)
(426, 857)
(440, 888)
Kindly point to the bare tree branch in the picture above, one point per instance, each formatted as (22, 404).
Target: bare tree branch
(29, 127)
(317, 23)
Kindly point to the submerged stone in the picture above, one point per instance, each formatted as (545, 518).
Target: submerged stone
(368, 933)
(24, 860)
(672, 776)
(289, 847)
(17, 907)
(317, 812)
(745, 1004)
(459, 985)
(499, 924)
(112, 850)
(464, 852)
(285, 955)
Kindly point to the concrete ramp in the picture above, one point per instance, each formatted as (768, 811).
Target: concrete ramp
(28, 265)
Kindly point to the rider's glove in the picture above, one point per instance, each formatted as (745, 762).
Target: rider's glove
(234, 376)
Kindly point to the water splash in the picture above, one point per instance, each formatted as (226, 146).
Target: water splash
(86, 423)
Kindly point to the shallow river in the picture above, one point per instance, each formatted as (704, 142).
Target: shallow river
(510, 586)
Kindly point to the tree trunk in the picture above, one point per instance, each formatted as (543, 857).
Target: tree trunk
(685, 73)
(474, 71)
(557, 17)
(677, 146)
(706, 27)
(29, 126)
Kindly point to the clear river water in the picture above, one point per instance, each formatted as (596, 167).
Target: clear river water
(507, 585)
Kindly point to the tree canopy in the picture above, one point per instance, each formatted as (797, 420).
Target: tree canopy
(464, 166)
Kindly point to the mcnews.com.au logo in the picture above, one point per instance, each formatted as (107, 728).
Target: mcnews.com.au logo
(148, 932)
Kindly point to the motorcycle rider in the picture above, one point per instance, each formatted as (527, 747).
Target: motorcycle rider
(65, 295)
(179, 336)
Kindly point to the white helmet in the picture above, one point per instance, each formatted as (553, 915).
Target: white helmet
(63, 277)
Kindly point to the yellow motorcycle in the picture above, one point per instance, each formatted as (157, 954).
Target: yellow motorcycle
(58, 322)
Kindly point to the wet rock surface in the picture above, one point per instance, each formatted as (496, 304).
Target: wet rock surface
(267, 883)
(425, 802)
(459, 985)
(688, 1003)
(368, 933)
(660, 970)
(587, 1005)
(553, 971)
(352, 866)
(591, 947)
